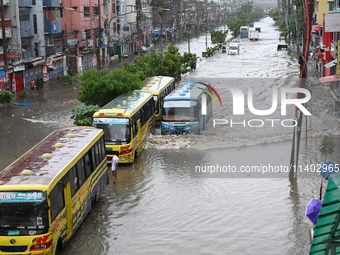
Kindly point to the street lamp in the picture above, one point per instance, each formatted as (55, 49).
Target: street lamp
(206, 28)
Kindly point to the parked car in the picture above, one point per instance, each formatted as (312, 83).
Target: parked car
(233, 49)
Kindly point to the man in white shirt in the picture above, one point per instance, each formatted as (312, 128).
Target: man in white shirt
(114, 167)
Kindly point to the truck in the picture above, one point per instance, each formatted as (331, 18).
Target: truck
(244, 31)
(253, 35)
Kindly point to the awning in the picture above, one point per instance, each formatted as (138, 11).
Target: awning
(158, 32)
(326, 230)
(326, 79)
(331, 64)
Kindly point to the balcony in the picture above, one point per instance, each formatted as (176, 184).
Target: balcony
(52, 26)
(51, 50)
(51, 3)
(24, 3)
(26, 29)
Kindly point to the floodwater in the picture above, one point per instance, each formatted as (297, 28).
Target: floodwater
(167, 203)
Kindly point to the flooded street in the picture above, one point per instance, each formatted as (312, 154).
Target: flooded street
(164, 203)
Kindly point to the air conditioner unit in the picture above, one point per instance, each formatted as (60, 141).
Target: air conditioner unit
(6, 2)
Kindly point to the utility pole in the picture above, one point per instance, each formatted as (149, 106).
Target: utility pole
(100, 43)
(3, 27)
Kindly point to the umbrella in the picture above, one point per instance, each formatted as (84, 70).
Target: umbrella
(313, 209)
(328, 168)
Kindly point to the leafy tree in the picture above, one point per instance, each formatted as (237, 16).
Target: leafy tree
(40, 82)
(327, 146)
(6, 97)
(170, 63)
(218, 37)
(83, 115)
(99, 87)
(235, 24)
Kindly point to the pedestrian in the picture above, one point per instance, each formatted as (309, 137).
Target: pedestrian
(58, 77)
(114, 167)
(32, 84)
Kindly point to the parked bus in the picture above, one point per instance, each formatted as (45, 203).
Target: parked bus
(126, 121)
(182, 109)
(46, 194)
(160, 87)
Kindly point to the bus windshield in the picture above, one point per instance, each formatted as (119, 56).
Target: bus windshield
(180, 111)
(23, 218)
(115, 129)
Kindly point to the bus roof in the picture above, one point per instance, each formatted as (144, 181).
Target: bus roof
(127, 103)
(47, 159)
(157, 84)
(188, 90)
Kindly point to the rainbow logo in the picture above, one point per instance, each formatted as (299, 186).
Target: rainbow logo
(204, 99)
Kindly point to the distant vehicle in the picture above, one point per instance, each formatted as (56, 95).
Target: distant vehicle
(233, 49)
(244, 30)
(254, 35)
(235, 41)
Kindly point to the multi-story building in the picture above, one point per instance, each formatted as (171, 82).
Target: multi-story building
(50, 37)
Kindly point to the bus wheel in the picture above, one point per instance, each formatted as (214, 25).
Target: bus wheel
(59, 247)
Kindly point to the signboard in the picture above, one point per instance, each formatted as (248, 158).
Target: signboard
(19, 68)
(316, 28)
(72, 41)
(49, 61)
(31, 196)
(332, 22)
(2, 76)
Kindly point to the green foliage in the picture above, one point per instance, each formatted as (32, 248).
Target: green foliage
(67, 78)
(235, 24)
(218, 37)
(23, 94)
(327, 146)
(159, 2)
(83, 115)
(99, 87)
(6, 97)
(40, 82)
(169, 63)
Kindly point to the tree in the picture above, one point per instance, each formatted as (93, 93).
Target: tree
(218, 37)
(83, 115)
(6, 97)
(99, 87)
(170, 63)
(40, 82)
(326, 148)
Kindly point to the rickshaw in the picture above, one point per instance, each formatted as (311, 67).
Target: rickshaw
(224, 49)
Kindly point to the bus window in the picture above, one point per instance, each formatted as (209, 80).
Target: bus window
(57, 200)
(73, 180)
(80, 172)
(88, 165)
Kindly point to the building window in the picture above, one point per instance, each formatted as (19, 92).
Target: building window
(86, 12)
(33, 2)
(113, 8)
(96, 10)
(88, 33)
(35, 24)
(36, 49)
(24, 14)
(330, 6)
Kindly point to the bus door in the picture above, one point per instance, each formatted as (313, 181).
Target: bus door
(68, 205)
(139, 137)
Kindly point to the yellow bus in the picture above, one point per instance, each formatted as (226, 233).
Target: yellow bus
(47, 192)
(126, 121)
(160, 87)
